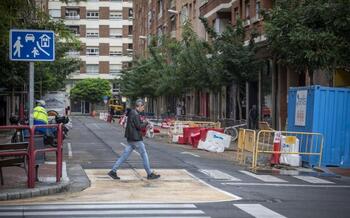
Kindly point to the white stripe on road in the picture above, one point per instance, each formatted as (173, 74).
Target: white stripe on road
(94, 206)
(264, 178)
(284, 185)
(110, 212)
(313, 180)
(185, 152)
(258, 211)
(217, 189)
(70, 153)
(217, 174)
(133, 150)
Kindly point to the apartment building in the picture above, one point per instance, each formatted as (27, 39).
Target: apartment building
(105, 29)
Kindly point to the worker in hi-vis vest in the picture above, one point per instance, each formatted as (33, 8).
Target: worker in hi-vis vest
(41, 118)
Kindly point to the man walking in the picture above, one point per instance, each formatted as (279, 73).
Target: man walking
(134, 138)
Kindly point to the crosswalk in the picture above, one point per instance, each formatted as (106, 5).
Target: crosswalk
(125, 210)
(104, 210)
(243, 177)
(259, 211)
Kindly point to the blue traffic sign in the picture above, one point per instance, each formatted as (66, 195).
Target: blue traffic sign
(32, 45)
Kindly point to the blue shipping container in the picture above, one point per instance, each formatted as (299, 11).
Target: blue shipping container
(323, 110)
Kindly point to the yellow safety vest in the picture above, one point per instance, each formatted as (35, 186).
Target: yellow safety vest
(40, 114)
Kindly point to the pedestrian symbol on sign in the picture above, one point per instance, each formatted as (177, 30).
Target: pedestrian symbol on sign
(17, 46)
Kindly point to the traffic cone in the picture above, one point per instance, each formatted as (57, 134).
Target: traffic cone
(275, 158)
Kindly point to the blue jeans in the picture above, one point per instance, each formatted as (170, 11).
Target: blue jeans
(140, 146)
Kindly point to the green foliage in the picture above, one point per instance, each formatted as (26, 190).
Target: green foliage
(24, 15)
(91, 90)
(232, 61)
(310, 34)
(172, 68)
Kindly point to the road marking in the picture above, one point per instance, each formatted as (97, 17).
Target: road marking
(132, 150)
(284, 185)
(92, 206)
(110, 212)
(264, 178)
(96, 126)
(217, 174)
(70, 153)
(217, 189)
(258, 211)
(185, 152)
(313, 180)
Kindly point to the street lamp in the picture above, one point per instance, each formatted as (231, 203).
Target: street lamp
(173, 11)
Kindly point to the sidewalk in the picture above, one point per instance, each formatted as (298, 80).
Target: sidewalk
(15, 178)
(73, 179)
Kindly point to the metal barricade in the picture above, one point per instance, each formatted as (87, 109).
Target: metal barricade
(17, 149)
(309, 145)
(246, 143)
(58, 150)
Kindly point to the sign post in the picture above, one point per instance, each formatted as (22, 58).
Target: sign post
(31, 45)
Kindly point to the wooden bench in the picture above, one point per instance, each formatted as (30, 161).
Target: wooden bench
(13, 154)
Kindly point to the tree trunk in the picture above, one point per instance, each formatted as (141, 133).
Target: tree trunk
(311, 76)
(238, 97)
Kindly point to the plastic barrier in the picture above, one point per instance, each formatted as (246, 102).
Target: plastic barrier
(246, 143)
(289, 148)
(215, 142)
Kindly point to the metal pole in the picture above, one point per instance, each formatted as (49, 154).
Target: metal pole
(31, 92)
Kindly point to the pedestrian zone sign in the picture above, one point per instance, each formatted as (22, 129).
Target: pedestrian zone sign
(32, 45)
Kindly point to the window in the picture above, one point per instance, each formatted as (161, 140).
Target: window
(55, 13)
(129, 30)
(257, 9)
(247, 9)
(92, 68)
(92, 33)
(72, 13)
(116, 15)
(115, 33)
(92, 51)
(115, 68)
(130, 13)
(74, 30)
(116, 87)
(236, 14)
(130, 49)
(160, 8)
(92, 14)
(115, 51)
(184, 14)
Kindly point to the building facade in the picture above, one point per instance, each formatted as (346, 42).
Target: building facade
(105, 30)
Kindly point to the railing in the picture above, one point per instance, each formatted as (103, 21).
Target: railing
(31, 151)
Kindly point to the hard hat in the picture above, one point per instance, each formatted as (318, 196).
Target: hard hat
(41, 102)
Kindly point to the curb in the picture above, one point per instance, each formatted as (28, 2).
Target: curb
(77, 181)
(40, 190)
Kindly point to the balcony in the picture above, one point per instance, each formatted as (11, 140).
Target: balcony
(212, 7)
(72, 17)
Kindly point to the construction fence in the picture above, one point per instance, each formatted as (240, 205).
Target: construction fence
(270, 147)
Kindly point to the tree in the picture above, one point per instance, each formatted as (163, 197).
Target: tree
(232, 60)
(91, 90)
(48, 76)
(310, 34)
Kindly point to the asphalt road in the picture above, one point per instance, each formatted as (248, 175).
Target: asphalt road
(95, 145)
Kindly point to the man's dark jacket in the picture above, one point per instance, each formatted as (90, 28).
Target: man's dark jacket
(134, 126)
